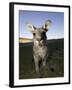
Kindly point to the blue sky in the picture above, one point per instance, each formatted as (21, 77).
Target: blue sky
(37, 18)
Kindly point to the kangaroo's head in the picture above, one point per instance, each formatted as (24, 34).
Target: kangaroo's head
(39, 34)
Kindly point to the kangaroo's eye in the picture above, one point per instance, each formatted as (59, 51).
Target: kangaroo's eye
(43, 33)
(34, 34)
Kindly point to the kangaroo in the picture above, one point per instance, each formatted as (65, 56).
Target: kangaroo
(40, 50)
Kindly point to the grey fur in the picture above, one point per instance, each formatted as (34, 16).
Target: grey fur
(40, 50)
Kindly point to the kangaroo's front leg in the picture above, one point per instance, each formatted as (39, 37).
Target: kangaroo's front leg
(36, 64)
(44, 62)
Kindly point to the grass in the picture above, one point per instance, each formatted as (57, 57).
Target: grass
(55, 61)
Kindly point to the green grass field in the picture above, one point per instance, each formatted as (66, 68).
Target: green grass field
(55, 61)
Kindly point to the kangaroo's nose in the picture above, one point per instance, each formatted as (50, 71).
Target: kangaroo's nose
(39, 39)
(42, 38)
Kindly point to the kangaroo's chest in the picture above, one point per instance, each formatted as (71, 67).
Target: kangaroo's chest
(40, 50)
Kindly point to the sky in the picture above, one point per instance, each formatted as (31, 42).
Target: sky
(37, 18)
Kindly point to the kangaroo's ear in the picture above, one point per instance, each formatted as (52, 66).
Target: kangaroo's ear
(47, 25)
(30, 27)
